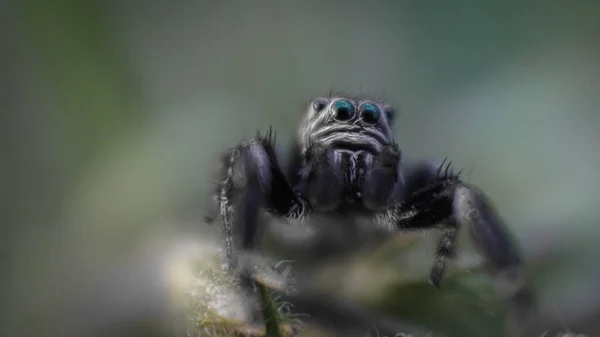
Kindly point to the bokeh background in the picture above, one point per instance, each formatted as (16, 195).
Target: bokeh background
(112, 113)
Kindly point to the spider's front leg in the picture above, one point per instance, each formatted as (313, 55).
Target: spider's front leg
(252, 180)
(450, 204)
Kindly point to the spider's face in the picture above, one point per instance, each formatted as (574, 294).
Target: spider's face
(345, 123)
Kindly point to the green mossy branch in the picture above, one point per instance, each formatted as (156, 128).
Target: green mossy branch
(216, 306)
(467, 305)
(273, 318)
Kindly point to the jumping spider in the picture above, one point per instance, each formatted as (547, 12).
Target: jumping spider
(347, 163)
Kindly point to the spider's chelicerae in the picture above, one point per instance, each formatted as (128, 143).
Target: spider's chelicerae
(346, 164)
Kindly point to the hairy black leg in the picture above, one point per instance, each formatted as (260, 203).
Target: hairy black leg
(473, 211)
(450, 204)
(489, 234)
(252, 180)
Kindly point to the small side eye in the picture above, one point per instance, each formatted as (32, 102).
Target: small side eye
(343, 110)
(319, 104)
(370, 113)
(390, 113)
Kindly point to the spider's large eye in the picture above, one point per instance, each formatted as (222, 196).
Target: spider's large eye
(343, 110)
(370, 113)
(319, 104)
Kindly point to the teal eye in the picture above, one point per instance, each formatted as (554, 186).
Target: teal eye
(370, 113)
(343, 110)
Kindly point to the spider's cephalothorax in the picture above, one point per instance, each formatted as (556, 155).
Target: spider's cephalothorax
(350, 160)
(347, 162)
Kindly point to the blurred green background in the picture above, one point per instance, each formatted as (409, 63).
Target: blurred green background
(112, 113)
